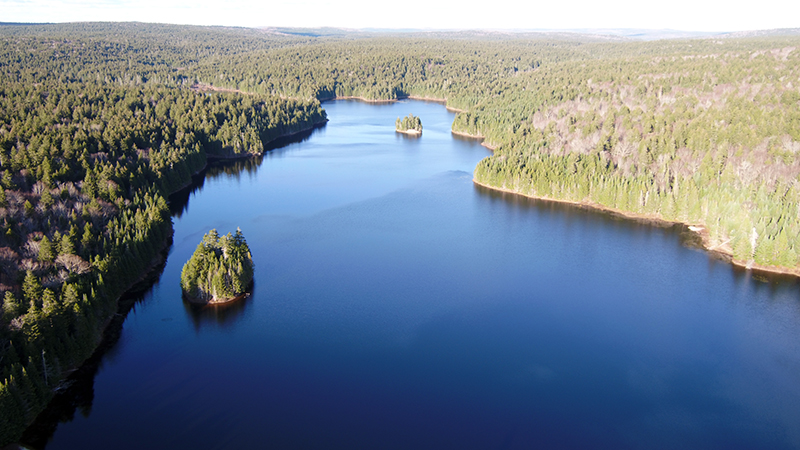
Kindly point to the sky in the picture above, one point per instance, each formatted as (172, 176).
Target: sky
(684, 15)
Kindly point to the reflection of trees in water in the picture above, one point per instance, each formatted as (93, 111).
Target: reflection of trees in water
(76, 392)
(408, 137)
(234, 168)
(179, 201)
(774, 282)
(221, 316)
(467, 139)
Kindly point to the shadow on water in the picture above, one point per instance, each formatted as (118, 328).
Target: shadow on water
(408, 137)
(462, 138)
(220, 316)
(683, 236)
(235, 168)
(573, 211)
(76, 392)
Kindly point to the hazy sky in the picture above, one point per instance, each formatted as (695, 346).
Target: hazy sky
(687, 15)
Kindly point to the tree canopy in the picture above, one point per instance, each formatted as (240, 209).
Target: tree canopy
(410, 122)
(98, 124)
(220, 269)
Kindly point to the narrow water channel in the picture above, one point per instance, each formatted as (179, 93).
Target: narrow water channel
(399, 306)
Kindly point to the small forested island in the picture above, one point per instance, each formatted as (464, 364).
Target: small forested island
(409, 125)
(219, 271)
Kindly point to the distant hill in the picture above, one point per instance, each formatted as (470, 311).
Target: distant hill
(641, 34)
(590, 34)
(778, 32)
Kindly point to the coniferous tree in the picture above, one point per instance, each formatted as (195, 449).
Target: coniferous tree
(221, 268)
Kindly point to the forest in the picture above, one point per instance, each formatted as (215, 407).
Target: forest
(95, 133)
(100, 122)
(220, 269)
(408, 123)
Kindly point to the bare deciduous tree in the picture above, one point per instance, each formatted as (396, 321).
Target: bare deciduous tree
(73, 263)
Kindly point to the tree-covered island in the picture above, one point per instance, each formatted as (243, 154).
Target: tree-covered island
(409, 125)
(219, 271)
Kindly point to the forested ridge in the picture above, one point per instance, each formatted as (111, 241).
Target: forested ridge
(709, 139)
(99, 122)
(704, 132)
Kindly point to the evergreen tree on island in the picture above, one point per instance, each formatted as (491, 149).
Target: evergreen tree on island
(409, 124)
(220, 270)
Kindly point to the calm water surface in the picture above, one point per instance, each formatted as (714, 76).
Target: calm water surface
(399, 306)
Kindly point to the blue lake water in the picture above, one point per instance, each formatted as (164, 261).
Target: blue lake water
(399, 306)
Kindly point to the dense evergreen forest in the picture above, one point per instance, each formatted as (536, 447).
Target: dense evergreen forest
(709, 139)
(408, 123)
(100, 122)
(220, 269)
(704, 132)
(97, 126)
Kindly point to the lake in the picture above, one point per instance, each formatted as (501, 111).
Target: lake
(399, 306)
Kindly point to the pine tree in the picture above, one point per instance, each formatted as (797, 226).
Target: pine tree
(32, 287)
(65, 245)
(46, 200)
(46, 250)
(11, 307)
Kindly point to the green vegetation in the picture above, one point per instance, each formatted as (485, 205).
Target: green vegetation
(708, 137)
(408, 123)
(220, 269)
(96, 128)
(99, 122)
(705, 132)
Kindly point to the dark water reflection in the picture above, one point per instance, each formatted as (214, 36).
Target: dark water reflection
(776, 282)
(397, 305)
(179, 201)
(409, 137)
(462, 138)
(76, 393)
(222, 316)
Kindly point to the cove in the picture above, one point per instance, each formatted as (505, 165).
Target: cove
(397, 305)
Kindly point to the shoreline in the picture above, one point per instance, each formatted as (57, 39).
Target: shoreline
(442, 101)
(205, 87)
(234, 157)
(475, 136)
(159, 260)
(210, 159)
(216, 301)
(410, 132)
(361, 99)
(73, 382)
(700, 231)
